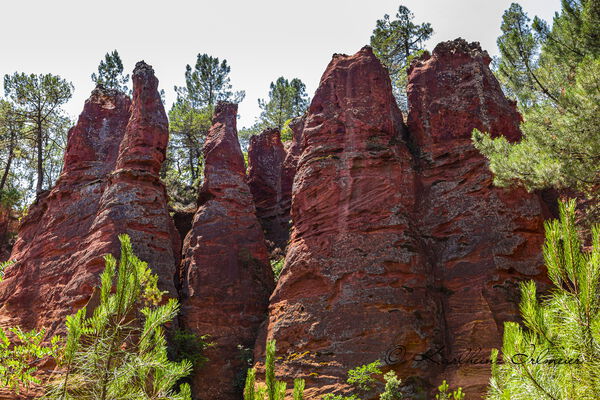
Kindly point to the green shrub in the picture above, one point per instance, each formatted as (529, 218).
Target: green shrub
(120, 351)
(393, 384)
(445, 393)
(277, 267)
(19, 355)
(555, 353)
(272, 389)
(189, 346)
(3, 266)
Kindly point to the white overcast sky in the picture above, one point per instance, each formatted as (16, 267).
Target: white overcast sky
(261, 39)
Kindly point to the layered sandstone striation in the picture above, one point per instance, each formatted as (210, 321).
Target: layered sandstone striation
(109, 186)
(401, 246)
(271, 170)
(481, 240)
(266, 155)
(226, 275)
(355, 280)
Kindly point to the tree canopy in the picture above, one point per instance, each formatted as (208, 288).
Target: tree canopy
(554, 73)
(189, 121)
(287, 99)
(110, 73)
(37, 102)
(395, 42)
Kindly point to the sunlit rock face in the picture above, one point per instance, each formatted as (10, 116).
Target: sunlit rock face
(481, 240)
(226, 275)
(109, 186)
(266, 155)
(355, 281)
(401, 245)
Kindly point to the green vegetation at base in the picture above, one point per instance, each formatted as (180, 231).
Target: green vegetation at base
(554, 353)
(19, 353)
(272, 389)
(361, 379)
(120, 350)
(185, 345)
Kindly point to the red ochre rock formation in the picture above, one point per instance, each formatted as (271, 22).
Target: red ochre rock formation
(226, 276)
(8, 228)
(480, 239)
(401, 245)
(290, 163)
(109, 185)
(271, 170)
(354, 283)
(266, 155)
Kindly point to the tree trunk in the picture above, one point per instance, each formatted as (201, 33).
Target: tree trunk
(7, 168)
(192, 168)
(40, 164)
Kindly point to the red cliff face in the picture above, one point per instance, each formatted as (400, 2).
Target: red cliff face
(8, 227)
(354, 283)
(226, 276)
(266, 155)
(271, 170)
(109, 185)
(480, 239)
(290, 165)
(135, 200)
(400, 243)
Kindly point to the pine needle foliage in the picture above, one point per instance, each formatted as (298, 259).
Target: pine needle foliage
(19, 352)
(555, 353)
(120, 351)
(554, 73)
(393, 386)
(272, 389)
(445, 393)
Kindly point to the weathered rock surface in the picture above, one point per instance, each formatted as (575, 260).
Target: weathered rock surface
(8, 227)
(226, 274)
(266, 155)
(400, 244)
(354, 282)
(481, 240)
(290, 165)
(109, 185)
(55, 250)
(135, 200)
(271, 170)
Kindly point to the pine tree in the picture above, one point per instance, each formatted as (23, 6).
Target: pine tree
(208, 83)
(189, 121)
(272, 389)
(110, 73)
(555, 353)
(37, 101)
(120, 351)
(395, 43)
(11, 131)
(287, 100)
(519, 48)
(554, 73)
(182, 171)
